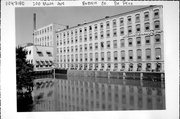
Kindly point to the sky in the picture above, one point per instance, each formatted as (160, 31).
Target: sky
(63, 15)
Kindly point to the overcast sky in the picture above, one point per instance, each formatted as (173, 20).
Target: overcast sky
(63, 15)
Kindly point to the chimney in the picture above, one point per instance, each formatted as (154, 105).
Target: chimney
(67, 26)
(34, 21)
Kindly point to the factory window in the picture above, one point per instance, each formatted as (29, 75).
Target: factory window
(129, 29)
(81, 57)
(108, 33)
(114, 23)
(122, 43)
(130, 42)
(85, 38)
(108, 44)
(147, 26)
(95, 27)
(72, 58)
(138, 41)
(96, 56)
(80, 38)
(158, 53)
(122, 31)
(108, 56)
(76, 57)
(121, 21)
(85, 56)
(102, 56)
(101, 26)
(96, 36)
(102, 45)
(148, 54)
(96, 46)
(90, 46)
(130, 55)
(139, 54)
(102, 35)
(146, 16)
(114, 32)
(156, 25)
(138, 28)
(137, 18)
(90, 28)
(85, 47)
(80, 48)
(157, 38)
(122, 55)
(90, 37)
(76, 48)
(91, 56)
(71, 48)
(156, 14)
(115, 55)
(147, 40)
(107, 25)
(129, 20)
(115, 43)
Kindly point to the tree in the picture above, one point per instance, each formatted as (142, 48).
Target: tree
(24, 78)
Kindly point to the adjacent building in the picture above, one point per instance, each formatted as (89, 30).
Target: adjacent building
(40, 56)
(131, 41)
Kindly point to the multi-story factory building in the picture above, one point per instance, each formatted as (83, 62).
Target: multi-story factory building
(131, 41)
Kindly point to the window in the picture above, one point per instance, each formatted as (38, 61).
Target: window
(101, 26)
(130, 43)
(122, 31)
(139, 54)
(148, 54)
(137, 18)
(96, 36)
(96, 56)
(130, 55)
(68, 58)
(40, 53)
(156, 25)
(90, 37)
(107, 25)
(138, 41)
(157, 38)
(90, 46)
(129, 29)
(123, 55)
(80, 48)
(138, 28)
(102, 34)
(102, 56)
(85, 56)
(108, 33)
(108, 44)
(67, 49)
(72, 58)
(91, 56)
(80, 38)
(147, 40)
(146, 16)
(71, 48)
(64, 58)
(108, 56)
(114, 32)
(76, 57)
(85, 47)
(90, 28)
(147, 26)
(102, 45)
(76, 48)
(64, 49)
(96, 46)
(156, 14)
(115, 55)
(71, 40)
(85, 38)
(122, 43)
(95, 27)
(81, 57)
(85, 30)
(158, 53)
(121, 21)
(115, 43)
(114, 23)
(129, 20)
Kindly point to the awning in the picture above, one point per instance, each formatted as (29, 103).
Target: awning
(47, 62)
(38, 63)
(43, 63)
